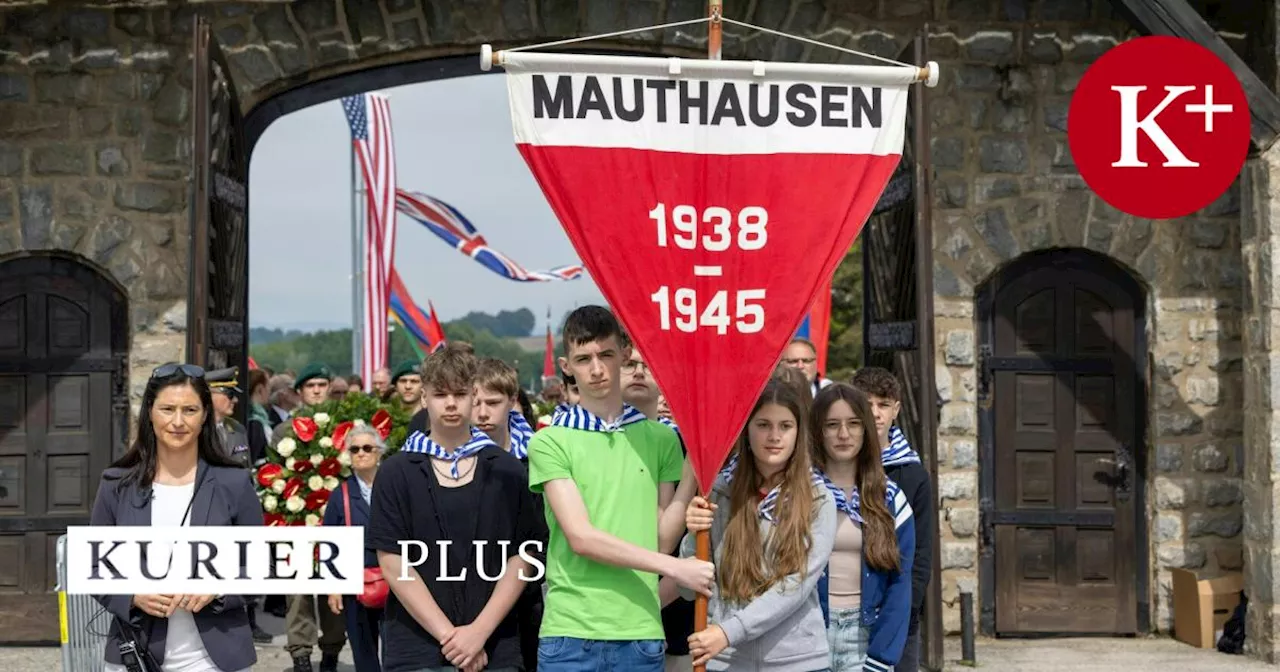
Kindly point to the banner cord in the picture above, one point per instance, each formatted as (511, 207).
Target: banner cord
(813, 42)
(706, 19)
(587, 38)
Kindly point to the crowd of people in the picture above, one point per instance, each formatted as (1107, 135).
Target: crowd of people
(816, 520)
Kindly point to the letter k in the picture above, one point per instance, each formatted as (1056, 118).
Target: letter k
(1129, 127)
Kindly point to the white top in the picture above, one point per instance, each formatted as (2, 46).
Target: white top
(183, 649)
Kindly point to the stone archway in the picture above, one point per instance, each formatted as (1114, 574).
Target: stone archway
(64, 416)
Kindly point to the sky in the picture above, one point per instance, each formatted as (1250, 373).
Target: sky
(454, 141)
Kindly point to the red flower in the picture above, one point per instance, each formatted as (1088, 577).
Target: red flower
(292, 486)
(302, 466)
(382, 422)
(305, 428)
(273, 519)
(330, 467)
(298, 522)
(268, 473)
(340, 435)
(316, 499)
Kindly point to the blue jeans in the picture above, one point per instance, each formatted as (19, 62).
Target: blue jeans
(569, 654)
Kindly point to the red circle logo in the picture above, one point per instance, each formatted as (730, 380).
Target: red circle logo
(1159, 127)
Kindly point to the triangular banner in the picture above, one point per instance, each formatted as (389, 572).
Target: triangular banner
(709, 200)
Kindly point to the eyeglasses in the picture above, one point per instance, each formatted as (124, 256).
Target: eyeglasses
(631, 365)
(363, 448)
(166, 370)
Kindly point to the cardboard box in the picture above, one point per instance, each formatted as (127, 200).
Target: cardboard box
(1202, 606)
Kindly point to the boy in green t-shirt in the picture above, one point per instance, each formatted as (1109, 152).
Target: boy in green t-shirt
(609, 477)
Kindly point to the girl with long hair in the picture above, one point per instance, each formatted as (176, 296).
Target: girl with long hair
(865, 591)
(177, 474)
(772, 527)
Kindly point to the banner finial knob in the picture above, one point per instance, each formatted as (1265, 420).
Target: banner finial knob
(486, 57)
(932, 79)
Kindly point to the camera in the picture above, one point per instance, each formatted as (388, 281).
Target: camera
(130, 658)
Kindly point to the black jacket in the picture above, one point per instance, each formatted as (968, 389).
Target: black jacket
(913, 479)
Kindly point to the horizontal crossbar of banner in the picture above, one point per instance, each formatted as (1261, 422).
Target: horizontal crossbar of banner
(642, 66)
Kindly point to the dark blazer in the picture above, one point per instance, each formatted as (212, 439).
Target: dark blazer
(225, 496)
(335, 515)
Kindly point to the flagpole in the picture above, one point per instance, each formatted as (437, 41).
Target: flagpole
(357, 274)
(715, 10)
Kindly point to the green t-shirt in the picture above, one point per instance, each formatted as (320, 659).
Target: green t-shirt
(618, 475)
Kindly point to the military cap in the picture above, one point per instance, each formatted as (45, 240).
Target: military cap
(409, 368)
(223, 380)
(310, 372)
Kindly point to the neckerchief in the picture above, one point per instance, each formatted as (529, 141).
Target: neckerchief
(770, 501)
(420, 443)
(259, 413)
(851, 504)
(670, 423)
(898, 451)
(577, 417)
(518, 434)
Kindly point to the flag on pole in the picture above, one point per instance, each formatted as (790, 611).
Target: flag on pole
(426, 334)
(369, 117)
(452, 227)
(710, 200)
(816, 327)
(549, 360)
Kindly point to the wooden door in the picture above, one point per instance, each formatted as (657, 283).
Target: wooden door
(57, 374)
(1062, 361)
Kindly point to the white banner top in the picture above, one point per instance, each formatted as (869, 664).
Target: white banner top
(705, 106)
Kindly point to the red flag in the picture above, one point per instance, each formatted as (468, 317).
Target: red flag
(709, 200)
(816, 327)
(252, 364)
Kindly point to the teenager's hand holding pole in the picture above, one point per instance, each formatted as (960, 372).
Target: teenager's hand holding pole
(698, 518)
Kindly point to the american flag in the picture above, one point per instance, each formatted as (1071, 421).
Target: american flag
(369, 116)
(452, 227)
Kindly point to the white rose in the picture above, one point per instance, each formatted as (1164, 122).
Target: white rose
(323, 507)
(331, 483)
(358, 423)
(313, 520)
(269, 503)
(295, 504)
(290, 463)
(321, 419)
(344, 458)
(316, 482)
(346, 472)
(317, 459)
(278, 486)
(326, 442)
(286, 447)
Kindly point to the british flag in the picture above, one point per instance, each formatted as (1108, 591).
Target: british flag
(452, 227)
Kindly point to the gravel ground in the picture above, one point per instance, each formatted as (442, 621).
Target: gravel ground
(1154, 654)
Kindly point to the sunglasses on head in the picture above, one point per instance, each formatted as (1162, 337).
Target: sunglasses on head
(166, 370)
(363, 448)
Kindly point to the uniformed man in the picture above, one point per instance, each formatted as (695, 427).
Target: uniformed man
(306, 614)
(407, 379)
(225, 387)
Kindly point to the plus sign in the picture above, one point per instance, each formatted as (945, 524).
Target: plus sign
(1208, 108)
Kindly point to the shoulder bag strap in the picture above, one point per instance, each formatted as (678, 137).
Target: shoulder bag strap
(346, 502)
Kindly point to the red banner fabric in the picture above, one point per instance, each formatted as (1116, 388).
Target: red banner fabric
(708, 210)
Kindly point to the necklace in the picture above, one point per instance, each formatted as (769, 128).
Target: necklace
(446, 474)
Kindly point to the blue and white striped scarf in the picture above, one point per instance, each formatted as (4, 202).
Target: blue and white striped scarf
(770, 500)
(519, 432)
(898, 451)
(577, 417)
(851, 504)
(420, 443)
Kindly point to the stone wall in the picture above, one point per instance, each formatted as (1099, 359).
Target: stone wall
(94, 156)
(1006, 185)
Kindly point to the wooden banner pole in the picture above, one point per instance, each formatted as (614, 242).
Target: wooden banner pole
(715, 10)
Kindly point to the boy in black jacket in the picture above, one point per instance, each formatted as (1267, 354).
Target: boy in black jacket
(902, 465)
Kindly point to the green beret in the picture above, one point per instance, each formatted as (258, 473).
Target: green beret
(310, 372)
(409, 368)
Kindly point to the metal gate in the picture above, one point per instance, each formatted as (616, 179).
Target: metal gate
(79, 622)
(218, 302)
(897, 282)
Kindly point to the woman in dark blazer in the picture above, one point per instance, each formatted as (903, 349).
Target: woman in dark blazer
(365, 446)
(177, 474)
